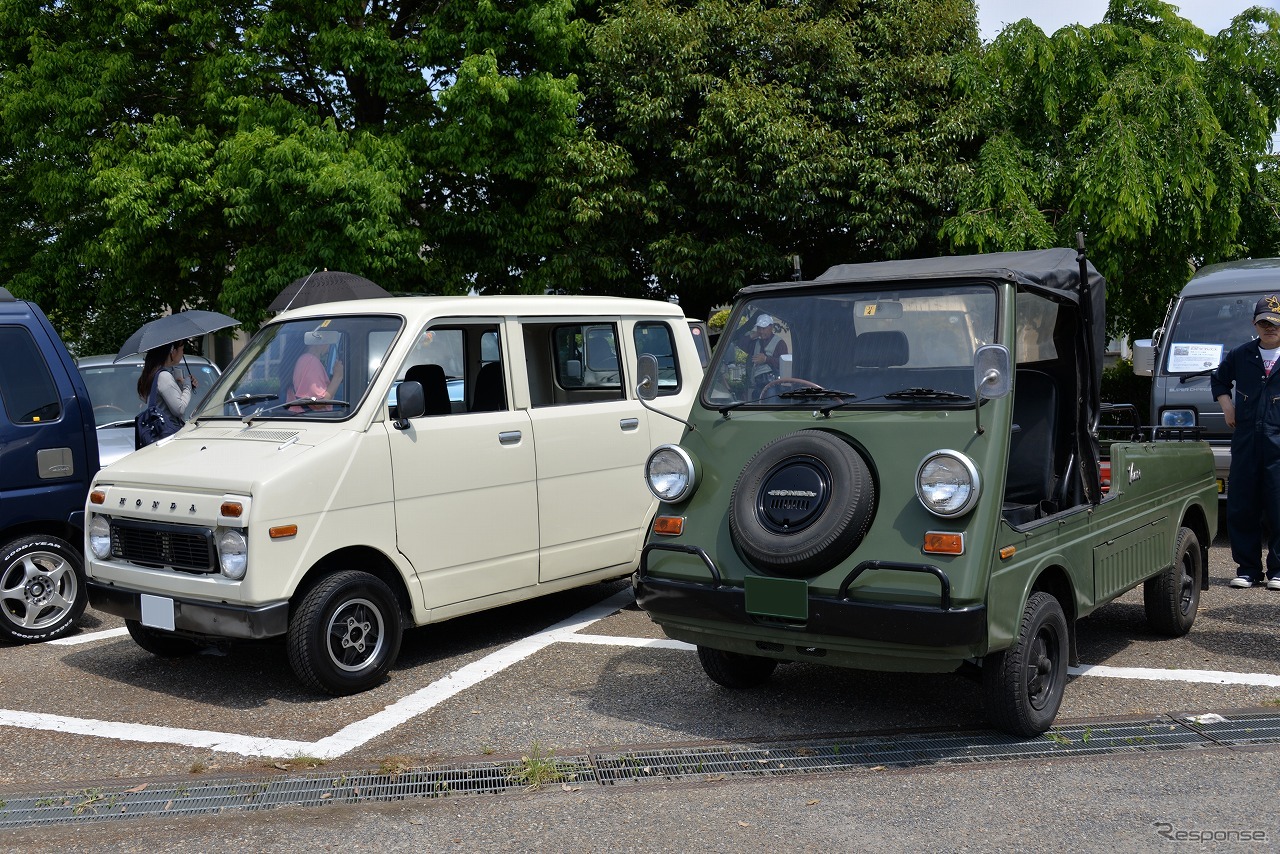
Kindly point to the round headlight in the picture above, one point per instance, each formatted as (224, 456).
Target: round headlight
(233, 553)
(947, 483)
(100, 537)
(670, 473)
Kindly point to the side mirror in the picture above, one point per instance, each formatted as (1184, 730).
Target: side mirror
(991, 373)
(411, 402)
(573, 369)
(647, 387)
(1144, 357)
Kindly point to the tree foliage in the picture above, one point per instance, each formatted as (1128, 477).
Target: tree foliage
(160, 155)
(1142, 131)
(751, 132)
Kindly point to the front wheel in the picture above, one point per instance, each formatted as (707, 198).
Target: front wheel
(1023, 685)
(1173, 597)
(345, 634)
(735, 670)
(42, 588)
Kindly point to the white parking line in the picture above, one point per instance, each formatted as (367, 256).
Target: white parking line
(405, 709)
(90, 637)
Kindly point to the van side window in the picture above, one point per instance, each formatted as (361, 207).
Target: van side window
(27, 388)
(459, 367)
(655, 338)
(582, 363)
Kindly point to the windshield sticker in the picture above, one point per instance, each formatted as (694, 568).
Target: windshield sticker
(1190, 358)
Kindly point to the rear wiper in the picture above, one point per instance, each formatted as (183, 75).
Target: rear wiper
(925, 394)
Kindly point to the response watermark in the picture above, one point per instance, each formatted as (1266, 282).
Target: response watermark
(1209, 834)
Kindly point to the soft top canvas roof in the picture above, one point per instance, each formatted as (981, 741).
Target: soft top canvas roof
(1054, 272)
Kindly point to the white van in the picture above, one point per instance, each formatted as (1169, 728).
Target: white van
(470, 452)
(1212, 315)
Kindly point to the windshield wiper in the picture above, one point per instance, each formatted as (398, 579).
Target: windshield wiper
(297, 401)
(925, 394)
(1185, 378)
(808, 391)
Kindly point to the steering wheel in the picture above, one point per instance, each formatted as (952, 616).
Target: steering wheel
(786, 381)
(106, 407)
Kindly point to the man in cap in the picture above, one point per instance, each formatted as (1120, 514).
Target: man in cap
(764, 349)
(1253, 491)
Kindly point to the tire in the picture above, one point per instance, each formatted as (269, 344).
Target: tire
(345, 634)
(802, 504)
(160, 643)
(1173, 597)
(42, 588)
(735, 670)
(1023, 685)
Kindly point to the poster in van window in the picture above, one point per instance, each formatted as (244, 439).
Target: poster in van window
(1193, 358)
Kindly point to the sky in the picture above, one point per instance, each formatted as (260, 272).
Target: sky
(1049, 15)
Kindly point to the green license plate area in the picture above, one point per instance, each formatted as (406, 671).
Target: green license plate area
(785, 598)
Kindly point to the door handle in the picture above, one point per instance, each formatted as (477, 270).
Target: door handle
(629, 423)
(509, 437)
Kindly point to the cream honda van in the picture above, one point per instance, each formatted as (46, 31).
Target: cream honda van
(371, 465)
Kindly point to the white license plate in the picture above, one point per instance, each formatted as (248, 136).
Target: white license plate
(157, 612)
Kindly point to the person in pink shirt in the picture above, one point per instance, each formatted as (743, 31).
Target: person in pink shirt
(310, 379)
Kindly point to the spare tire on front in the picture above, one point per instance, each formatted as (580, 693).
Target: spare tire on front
(802, 504)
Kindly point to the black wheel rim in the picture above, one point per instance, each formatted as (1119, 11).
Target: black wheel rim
(1042, 668)
(1187, 593)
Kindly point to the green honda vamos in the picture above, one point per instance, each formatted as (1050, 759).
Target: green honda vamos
(917, 481)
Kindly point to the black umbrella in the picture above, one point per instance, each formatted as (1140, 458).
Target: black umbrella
(325, 286)
(174, 327)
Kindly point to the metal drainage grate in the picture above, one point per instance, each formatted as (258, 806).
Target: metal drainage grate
(317, 789)
(904, 750)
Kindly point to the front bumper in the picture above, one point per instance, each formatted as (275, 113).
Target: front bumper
(835, 616)
(199, 618)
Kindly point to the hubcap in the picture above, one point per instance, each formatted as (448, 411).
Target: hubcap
(1040, 675)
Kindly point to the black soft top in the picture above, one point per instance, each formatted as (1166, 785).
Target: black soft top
(1054, 272)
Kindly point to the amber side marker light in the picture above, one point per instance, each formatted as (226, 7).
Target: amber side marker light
(944, 543)
(97, 497)
(669, 526)
(1007, 552)
(282, 531)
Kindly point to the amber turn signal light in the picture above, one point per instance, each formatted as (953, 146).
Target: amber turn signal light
(97, 497)
(944, 543)
(669, 526)
(282, 531)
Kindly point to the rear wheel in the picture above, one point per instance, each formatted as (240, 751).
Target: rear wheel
(159, 642)
(734, 669)
(1173, 597)
(42, 589)
(1023, 685)
(345, 634)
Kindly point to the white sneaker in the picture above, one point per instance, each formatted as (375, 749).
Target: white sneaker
(1242, 581)
(1273, 583)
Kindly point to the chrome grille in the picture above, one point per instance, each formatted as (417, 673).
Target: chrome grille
(182, 547)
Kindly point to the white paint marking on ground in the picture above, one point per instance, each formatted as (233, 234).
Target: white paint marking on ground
(245, 745)
(91, 637)
(1213, 677)
(352, 736)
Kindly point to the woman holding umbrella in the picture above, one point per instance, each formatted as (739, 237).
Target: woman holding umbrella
(161, 385)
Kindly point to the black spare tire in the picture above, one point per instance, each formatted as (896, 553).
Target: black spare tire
(802, 504)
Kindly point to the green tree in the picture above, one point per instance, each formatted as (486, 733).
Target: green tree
(159, 155)
(744, 133)
(1141, 131)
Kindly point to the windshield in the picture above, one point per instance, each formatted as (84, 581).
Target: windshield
(114, 389)
(317, 368)
(866, 347)
(1205, 328)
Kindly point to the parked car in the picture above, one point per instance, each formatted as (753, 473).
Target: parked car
(336, 521)
(919, 488)
(1211, 316)
(48, 453)
(113, 388)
